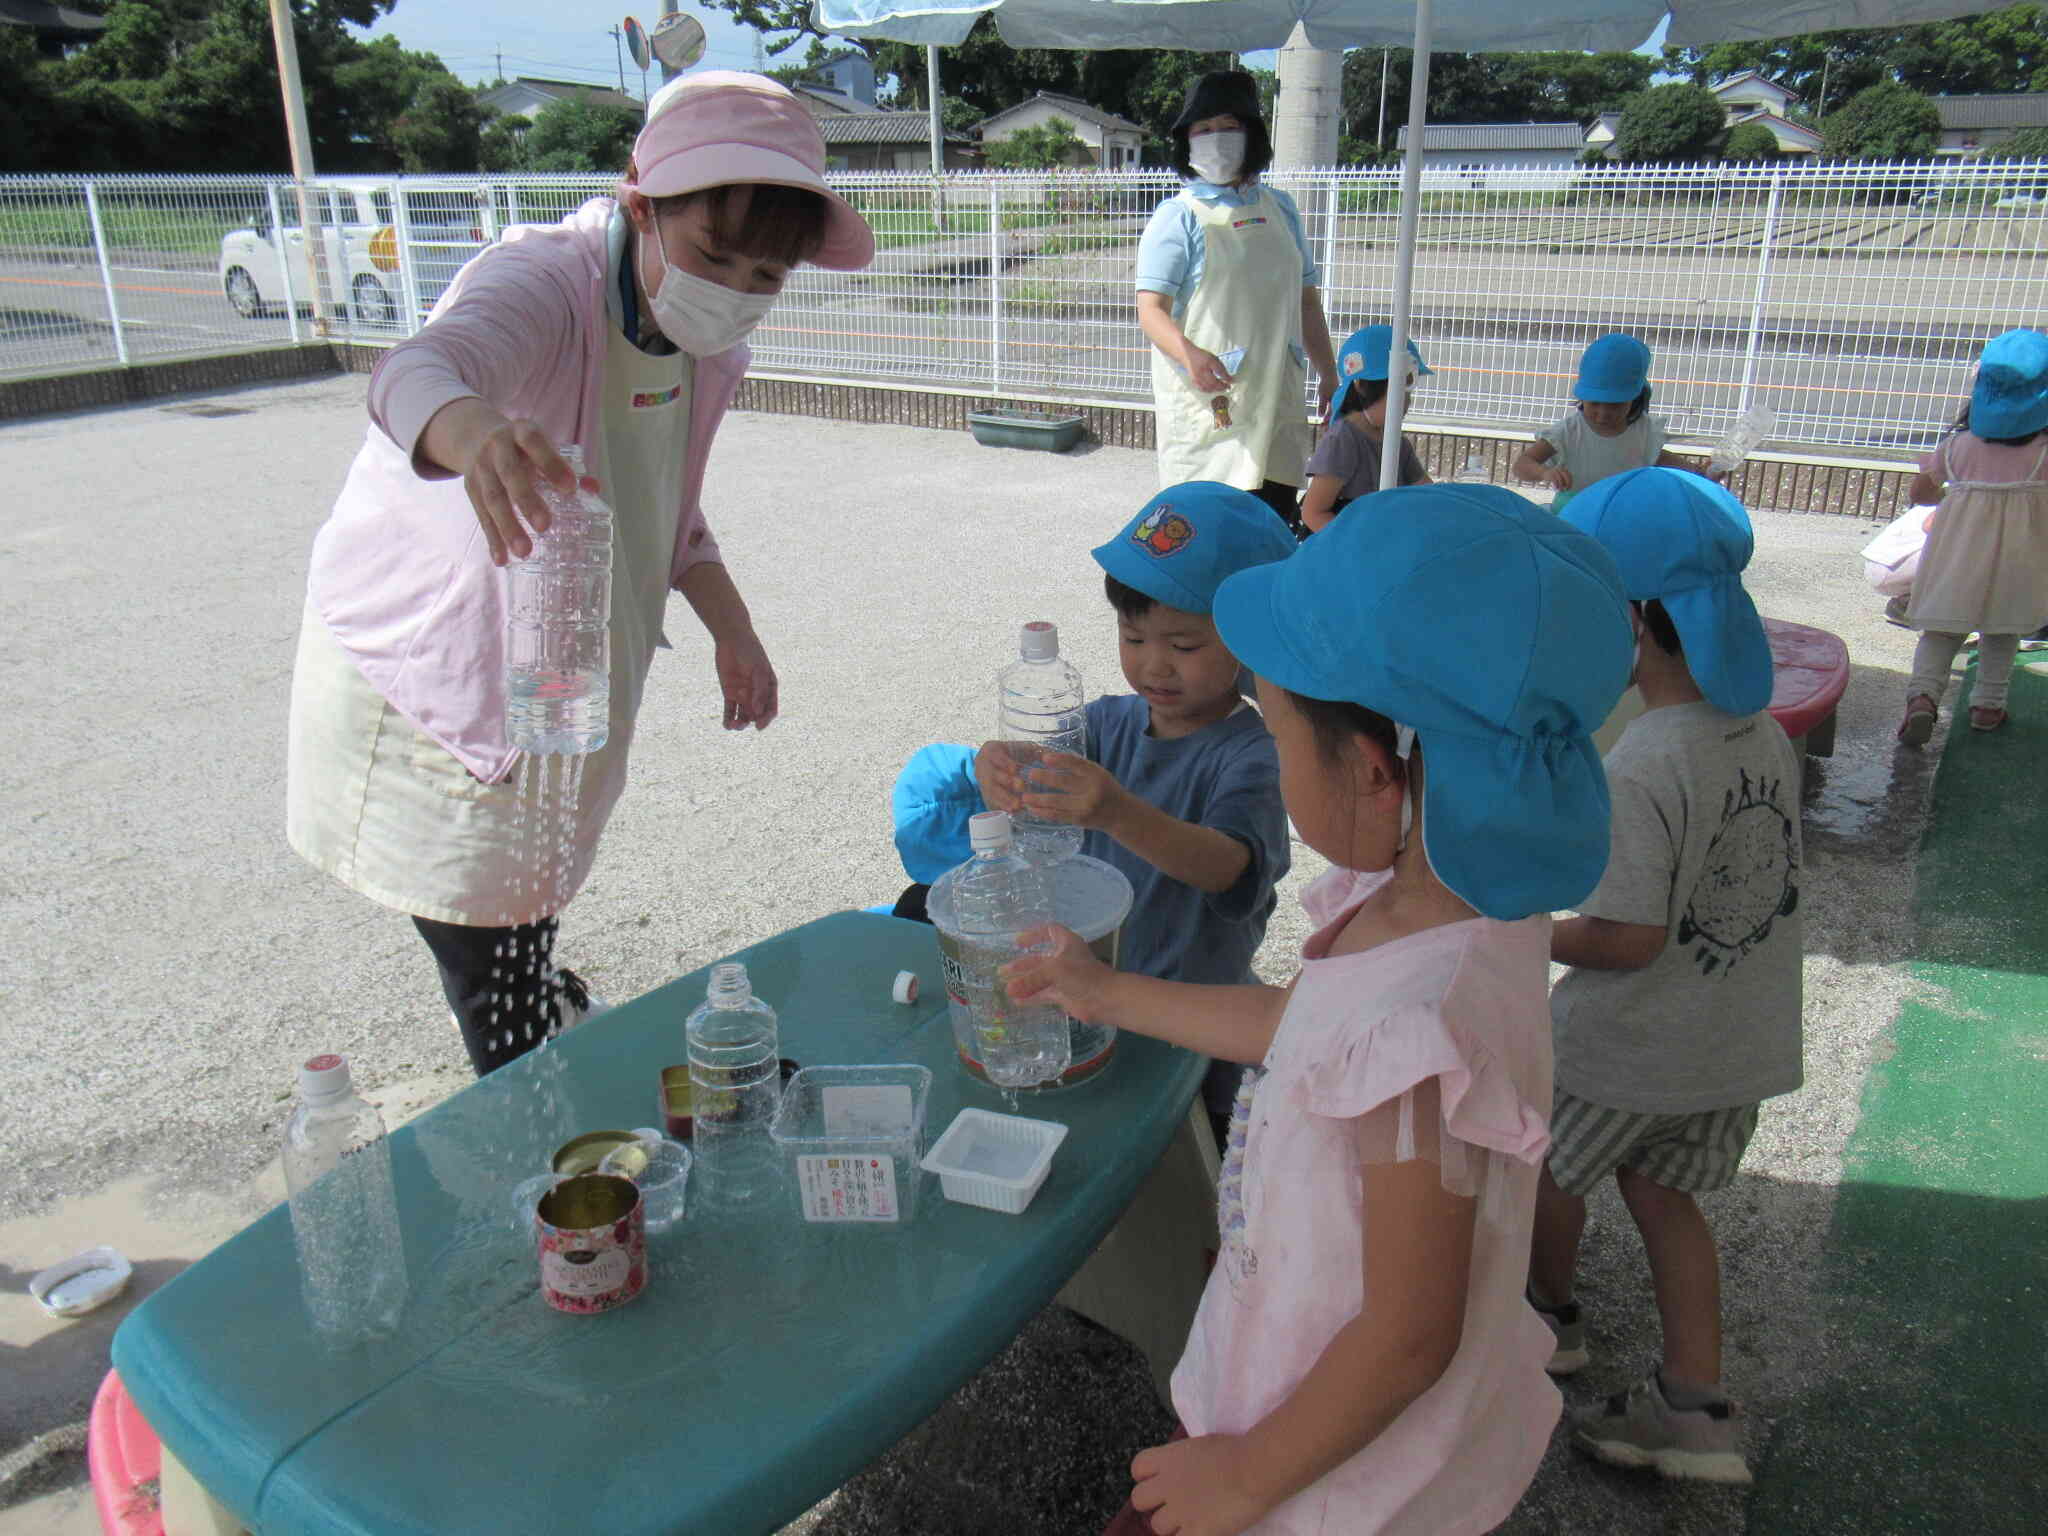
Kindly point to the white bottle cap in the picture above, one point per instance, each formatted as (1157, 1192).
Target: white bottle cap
(1039, 641)
(988, 829)
(324, 1077)
(905, 990)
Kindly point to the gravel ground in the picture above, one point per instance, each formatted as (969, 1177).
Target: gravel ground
(178, 959)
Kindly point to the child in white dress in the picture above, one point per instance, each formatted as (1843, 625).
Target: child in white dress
(1364, 1360)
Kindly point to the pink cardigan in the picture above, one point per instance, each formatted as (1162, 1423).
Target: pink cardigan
(401, 574)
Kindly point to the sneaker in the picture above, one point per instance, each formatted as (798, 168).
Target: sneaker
(1983, 719)
(1569, 1330)
(1918, 726)
(578, 1001)
(1895, 612)
(1638, 1428)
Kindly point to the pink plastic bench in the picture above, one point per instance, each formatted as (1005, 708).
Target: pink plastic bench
(125, 1459)
(1810, 668)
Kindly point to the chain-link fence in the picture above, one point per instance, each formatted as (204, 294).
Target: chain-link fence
(1851, 298)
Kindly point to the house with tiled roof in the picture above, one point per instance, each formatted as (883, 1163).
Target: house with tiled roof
(890, 141)
(530, 95)
(1110, 141)
(1470, 150)
(1972, 124)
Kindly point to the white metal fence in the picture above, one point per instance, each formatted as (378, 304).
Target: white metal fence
(1852, 298)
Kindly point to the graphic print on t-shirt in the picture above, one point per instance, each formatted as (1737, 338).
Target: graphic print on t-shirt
(1750, 879)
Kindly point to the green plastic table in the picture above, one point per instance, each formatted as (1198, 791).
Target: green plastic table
(768, 1359)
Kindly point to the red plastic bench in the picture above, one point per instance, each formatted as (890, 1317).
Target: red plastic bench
(1810, 668)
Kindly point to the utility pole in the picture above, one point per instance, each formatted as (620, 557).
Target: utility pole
(501, 61)
(931, 91)
(300, 138)
(1379, 138)
(619, 52)
(1827, 57)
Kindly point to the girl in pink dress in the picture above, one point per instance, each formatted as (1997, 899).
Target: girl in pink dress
(1431, 667)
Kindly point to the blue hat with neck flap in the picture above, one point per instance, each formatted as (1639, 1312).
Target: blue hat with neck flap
(1493, 630)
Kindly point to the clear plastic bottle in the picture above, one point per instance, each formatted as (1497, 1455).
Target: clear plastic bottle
(337, 1171)
(1041, 706)
(1751, 430)
(735, 1086)
(558, 609)
(998, 895)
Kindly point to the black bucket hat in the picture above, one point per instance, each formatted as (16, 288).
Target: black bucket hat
(1222, 92)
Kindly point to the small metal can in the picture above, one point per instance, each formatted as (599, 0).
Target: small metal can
(591, 1235)
(677, 1118)
(585, 1152)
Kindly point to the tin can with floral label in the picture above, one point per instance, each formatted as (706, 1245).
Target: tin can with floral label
(592, 1237)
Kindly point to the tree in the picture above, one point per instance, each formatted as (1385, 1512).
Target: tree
(578, 134)
(1486, 88)
(441, 130)
(1750, 141)
(501, 146)
(2001, 51)
(1672, 122)
(1041, 147)
(1887, 121)
(2027, 144)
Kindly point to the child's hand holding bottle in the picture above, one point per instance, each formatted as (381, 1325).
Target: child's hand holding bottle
(1000, 776)
(1061, 969)
(1074, 790)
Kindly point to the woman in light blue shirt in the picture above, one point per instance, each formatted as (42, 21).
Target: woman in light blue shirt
(1228, 297)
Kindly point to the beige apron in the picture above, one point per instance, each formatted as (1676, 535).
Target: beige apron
(1249, 296)
(1985, 564)
(388, 811)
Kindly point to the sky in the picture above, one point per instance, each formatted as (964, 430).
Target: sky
(544, 37)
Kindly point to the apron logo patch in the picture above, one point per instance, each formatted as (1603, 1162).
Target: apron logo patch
(1164, 533)
(647, 399)
(1257, 218)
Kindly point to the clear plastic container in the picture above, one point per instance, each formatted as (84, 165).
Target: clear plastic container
(344, 1208)
(995, 1161)
(1474, 471)
(852, 1139)
(558, 610)
(1751, 431)
(996, 897)
(1041, 708)
(1090, 897)
(735, 1086)
(663, 1177)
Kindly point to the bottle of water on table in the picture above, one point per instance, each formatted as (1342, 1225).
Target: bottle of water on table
(1042, 709)
(337, 1172)
(997, 897)
(558, 610)
(735, 1087)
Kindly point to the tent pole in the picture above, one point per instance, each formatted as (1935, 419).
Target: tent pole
(1404, 252)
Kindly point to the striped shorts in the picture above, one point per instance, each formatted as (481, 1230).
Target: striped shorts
(1691, 1153)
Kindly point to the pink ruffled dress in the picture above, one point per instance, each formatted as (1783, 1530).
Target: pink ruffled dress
(1443, 1038)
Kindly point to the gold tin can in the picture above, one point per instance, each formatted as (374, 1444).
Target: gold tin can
(583, 1154)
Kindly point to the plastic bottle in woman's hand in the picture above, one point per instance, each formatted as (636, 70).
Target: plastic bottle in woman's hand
(558, 609)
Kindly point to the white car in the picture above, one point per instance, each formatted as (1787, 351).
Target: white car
(360, 248)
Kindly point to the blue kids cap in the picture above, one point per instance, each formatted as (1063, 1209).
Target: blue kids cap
(934, 796)
(1364, 356)
(2010, 397)
(1185, 540)
(1685, 541)
(1613, 369)
(1499, 635)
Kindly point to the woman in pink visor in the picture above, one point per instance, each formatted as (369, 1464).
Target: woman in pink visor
(621, 330)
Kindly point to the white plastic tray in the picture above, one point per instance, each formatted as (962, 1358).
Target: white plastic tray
(994, 1161)
(81, 1283)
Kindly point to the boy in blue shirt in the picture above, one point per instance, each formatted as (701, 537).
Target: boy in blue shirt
(1181, 786)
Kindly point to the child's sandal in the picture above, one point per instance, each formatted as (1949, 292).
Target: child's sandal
(1918, 726)
(1982, 719)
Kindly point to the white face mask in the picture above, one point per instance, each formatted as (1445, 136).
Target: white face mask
(1217, 157)
(700, 316)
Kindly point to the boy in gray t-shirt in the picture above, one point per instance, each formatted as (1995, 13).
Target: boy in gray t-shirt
(1682, 1008)
(1181, 788)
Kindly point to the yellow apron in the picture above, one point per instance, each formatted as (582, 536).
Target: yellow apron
(1249, 296)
